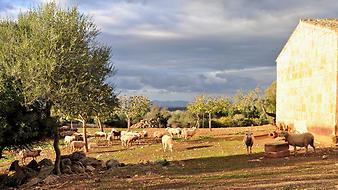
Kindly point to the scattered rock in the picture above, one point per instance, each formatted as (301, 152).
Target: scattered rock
(162, 162)
(33, 165)
(97, 180)
(76, 156)
(66, 170)
(31, 182)
(90, 168)
(98, 156)
(89, 161)
(324, 157)
(112, 164)
(66, 162)
(50, 179)
(14, 166)
(255, 160)
(45, 171)
(15, 179)
(78, 167)
(45, 162)
(103, 164)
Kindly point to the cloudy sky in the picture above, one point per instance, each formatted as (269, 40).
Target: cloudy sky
(177, 49)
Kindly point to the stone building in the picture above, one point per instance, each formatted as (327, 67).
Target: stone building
(307, 79)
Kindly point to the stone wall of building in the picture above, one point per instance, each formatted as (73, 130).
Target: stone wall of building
(307, 80)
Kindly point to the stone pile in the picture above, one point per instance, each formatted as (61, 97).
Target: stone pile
(43, 171)
(146, 124)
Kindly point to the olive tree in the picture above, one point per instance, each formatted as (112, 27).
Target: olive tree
(54, 54)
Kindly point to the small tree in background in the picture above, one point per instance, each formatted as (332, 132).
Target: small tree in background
(160, 115)
(248, 104)
(215, 105)
(197, 108)
(269, 101)
(133, 107)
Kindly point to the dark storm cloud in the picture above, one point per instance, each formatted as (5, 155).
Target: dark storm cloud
(174, 49)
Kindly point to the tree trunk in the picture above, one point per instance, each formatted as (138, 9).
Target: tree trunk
(210, 121)
(203, 120)
(71, 124)
(1, 149)
(85, 135)
(198, 121)
(99, 122)
(128, 120)
(57, 151)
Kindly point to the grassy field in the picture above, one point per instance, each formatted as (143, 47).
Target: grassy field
(211, 159)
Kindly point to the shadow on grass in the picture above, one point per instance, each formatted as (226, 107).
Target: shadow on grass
(171, 185)
(197, 147)
(239, 162)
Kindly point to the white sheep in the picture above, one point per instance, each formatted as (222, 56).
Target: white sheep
(188, 132)
(77, 145)
(158, 134)
(174, 131)
(69, 139)
(167, 143)
(100, 134)
(300, 140)
(248, 141)
(127, 140)
(29, 153)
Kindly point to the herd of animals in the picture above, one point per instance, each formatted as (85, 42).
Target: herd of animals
(127, 138)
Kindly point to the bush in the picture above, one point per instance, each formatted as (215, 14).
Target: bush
(238, 120)
(184, 118)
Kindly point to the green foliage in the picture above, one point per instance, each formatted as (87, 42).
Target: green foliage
(270, 97)
(133, 107)
(160, 115)
(248, 104)
(55, 56)
(183, 118)
(20, 125)
(238, 120)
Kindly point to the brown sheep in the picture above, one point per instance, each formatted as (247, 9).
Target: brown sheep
(29, 153)
(77, 145)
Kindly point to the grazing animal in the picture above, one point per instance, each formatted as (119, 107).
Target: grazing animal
(69, 139)
(158, 134)
(116, 134)
(127, 140)
(174, 131)
(64, 128)
(67, 133)
(77, 145)
(248, 141)
(100, 134)
(300, 140)
(29, 153)
(167, 143)
(188, 132)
